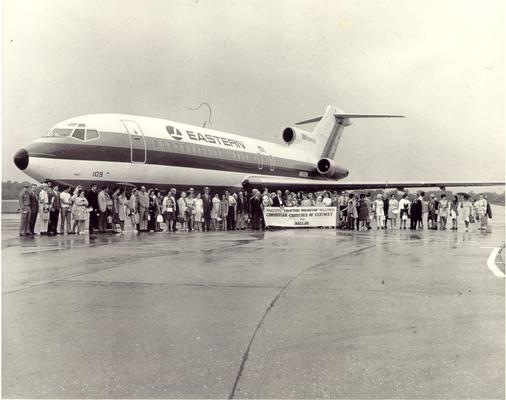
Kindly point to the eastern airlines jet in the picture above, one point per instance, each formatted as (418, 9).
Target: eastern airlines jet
(127, 150)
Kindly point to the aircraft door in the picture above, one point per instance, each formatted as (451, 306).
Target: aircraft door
(260, 160)
(137, 142)
(271, 163)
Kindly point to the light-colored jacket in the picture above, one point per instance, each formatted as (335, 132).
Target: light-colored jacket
(143, 200)
(43, 200)
(103, 197)
(133, 203)
(182, 205)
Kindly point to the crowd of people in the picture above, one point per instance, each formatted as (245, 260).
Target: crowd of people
(77, 211)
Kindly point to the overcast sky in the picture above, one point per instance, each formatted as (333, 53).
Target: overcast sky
(264, 65)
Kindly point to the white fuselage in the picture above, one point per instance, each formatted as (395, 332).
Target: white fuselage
(132, 150)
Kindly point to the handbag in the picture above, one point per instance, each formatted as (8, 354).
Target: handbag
(159, 218)
(136, 218)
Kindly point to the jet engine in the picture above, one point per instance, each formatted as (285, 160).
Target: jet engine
(329, 169)
(290, 134)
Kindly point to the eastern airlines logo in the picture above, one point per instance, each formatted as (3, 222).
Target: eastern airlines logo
(200, 137)
(175, 133)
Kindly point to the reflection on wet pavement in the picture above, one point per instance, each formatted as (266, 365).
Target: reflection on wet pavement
(283, 313)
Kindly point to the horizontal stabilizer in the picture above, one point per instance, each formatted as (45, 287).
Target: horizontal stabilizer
(343, 115)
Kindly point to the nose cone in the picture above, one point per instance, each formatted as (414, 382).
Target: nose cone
(21, 159)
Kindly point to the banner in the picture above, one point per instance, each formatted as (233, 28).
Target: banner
(300, 216)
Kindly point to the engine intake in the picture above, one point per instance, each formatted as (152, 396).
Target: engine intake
(329, 169)
(289, 135)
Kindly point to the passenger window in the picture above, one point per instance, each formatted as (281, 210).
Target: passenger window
(79, 134)
(155, 143)
(91, 134)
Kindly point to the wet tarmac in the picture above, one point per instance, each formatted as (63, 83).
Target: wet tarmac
(281, 314)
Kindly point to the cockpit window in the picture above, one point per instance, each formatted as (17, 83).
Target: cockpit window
(91, 134)
(72, 124)
(78, 134)
(60, 132)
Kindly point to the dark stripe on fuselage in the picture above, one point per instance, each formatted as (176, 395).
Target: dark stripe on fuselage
(115, 147)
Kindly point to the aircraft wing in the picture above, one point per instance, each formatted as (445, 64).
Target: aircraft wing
(264, 181)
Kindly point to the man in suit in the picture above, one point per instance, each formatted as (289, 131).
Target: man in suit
(232, 203)
(102, 199)
(34, 208)
(256, 210)
(385, 209)
(24, 207)
(92, 197)
(278, 200)
(54, 211)
(173, 195)
(207, 202)
(143, 198)
(66, 214)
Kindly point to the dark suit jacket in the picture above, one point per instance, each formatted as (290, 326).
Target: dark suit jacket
(255, 206)
(92, 198)
(34, 202)
(207, 206)
(276, 202)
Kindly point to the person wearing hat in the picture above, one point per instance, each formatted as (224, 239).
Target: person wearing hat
(24, 207)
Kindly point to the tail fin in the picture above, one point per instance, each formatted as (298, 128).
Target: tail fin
(329, 129)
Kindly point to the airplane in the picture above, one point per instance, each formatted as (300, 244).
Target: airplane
(133, 151)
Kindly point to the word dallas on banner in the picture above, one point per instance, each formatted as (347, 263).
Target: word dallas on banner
(300, 216)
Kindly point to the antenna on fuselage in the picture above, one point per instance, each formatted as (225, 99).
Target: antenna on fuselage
(199, 107)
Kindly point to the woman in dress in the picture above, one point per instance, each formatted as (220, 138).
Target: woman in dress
(442, 212)
(403, 211)
(466, 208)
(224, 212)
(122, 209)
(393, 211)
(152, 207)
(183, 211)
(216, 211)
(351, 212)
(168, 208)
(481, 210)
(190, 210)
(199, 210)
(305, 201)
(363, 212)
(454, 212)
(159, 213)
(115, 210)
(133, 206)
(81, 204)
(379, 213)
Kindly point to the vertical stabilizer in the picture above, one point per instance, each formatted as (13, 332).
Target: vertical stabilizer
(329, 129)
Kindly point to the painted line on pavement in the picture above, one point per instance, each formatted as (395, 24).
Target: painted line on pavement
(491, 263)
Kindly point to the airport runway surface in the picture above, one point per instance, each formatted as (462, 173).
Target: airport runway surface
(281, 314)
